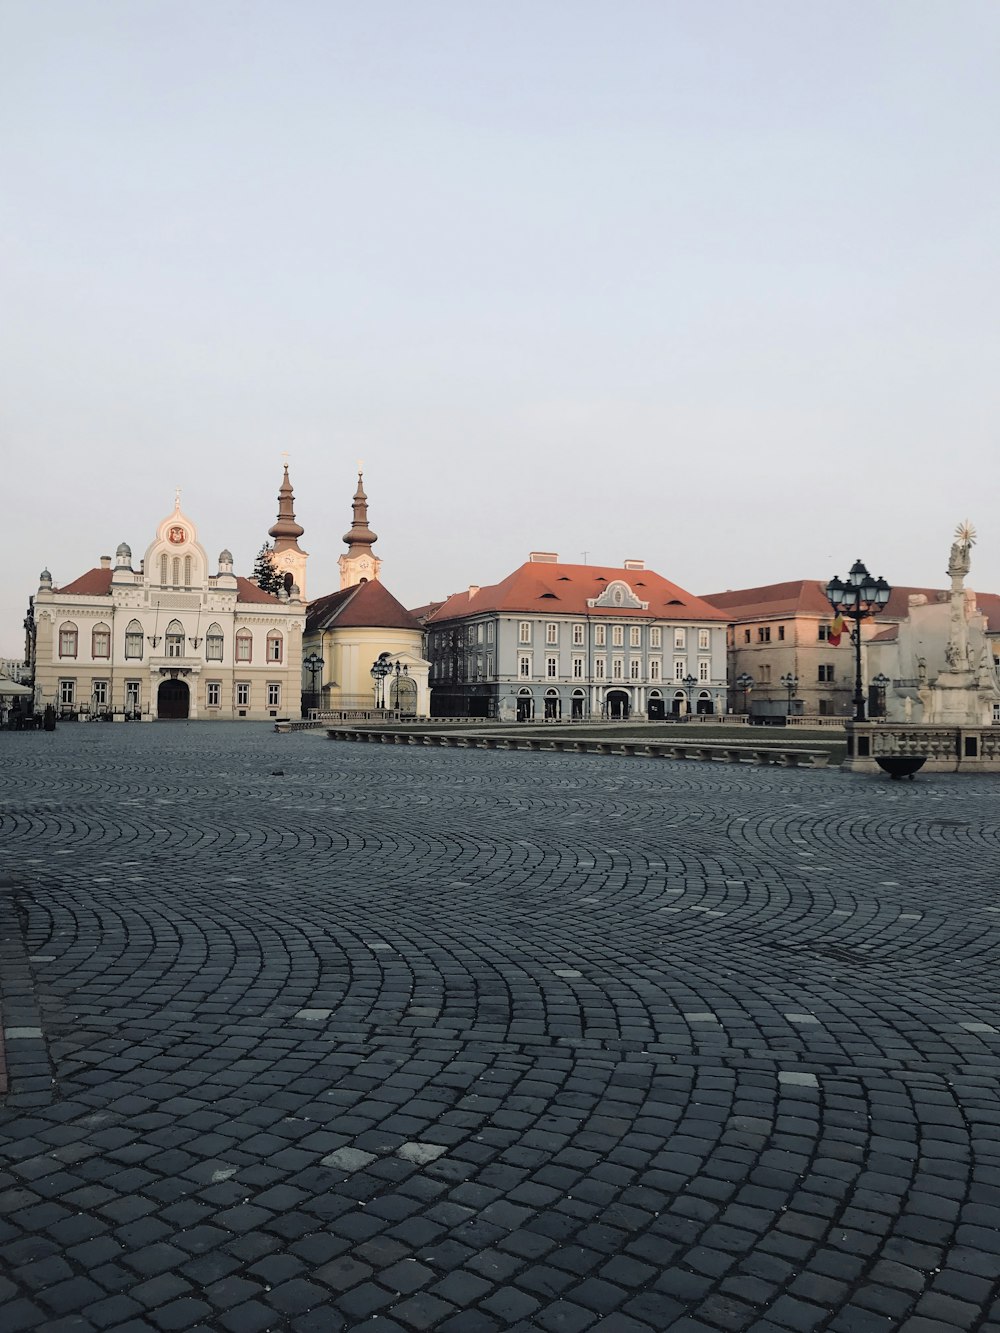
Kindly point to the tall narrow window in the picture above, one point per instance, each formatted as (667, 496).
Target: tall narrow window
(242, 693)
(244, 646)
(635, 636)
(600, 635)
(655, 637)
(187, 571)
(163, 571)
(68, 638)
(274, 646)
(214, 643)
(551, 633)
(133, 640)
(578, 636)
(524, 632)
(100, 641)
(175, 567)
(175, 639)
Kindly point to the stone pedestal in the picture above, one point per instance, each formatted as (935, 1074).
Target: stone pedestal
(945, 749)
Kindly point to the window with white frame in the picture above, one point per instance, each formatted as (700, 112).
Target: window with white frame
(680, 638)
(705, 668)
(654, 668)
(242, 694)
(99, 693)
(100, 641)
(634, 668)
(133, 640)
(244, 646)
(67, 692)
(479, 632)
(599, 665)
(617, 668)
(489, 666)
(524, 665)
(655, 637)
(524, 632)
(213, 694)
(704, 639)
(680, 668)
(275, 645)
(489, 631)
(273, 694)
(578, 668)
(577, 636)
(600, 635)
(68, 638)
(635, 636)
(552, 667)
(175, 639)
(133, 694)
(214, 642)
(617, 636)
(551, 632)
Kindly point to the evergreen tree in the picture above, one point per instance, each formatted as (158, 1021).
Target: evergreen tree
(264, 574)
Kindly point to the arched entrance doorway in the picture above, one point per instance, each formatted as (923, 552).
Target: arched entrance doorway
(553, 706)
(173, 699)
(525, 706)
(576, 706)
(655, 707)
(704, 705)
(678, 704)
(403, 696)
(617, 705)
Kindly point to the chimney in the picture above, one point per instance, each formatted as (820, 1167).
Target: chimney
(473, 590)
(543, 558)
(105, 562)
(634, 564)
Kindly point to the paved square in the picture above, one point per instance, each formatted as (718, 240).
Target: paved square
(398, 1041)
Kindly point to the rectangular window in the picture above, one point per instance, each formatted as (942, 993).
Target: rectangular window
(577, 636)
(656, 637)
(489, 666)
(763, 633)
(489, 632)
(273, 694)
(635, 636)
(101, 643)
(274, 648)
(634, 667)
(479, 632)
(67, 643)
(598, 668)
(826, 707)
(470, 634)
(244, 647)
(654, 668)
(213, 694)
(552, 667)
(600, 635)
(704, 639)
(765, 673)
(617, 636)
(133, 644)
(826, 672)
(578, 668)
(680, 638)
(133, 694)
(175, 645)
(242, 693)
(617, 668)
(213, 648)
(680, 668)
(551, 633)
(67, 692)
(746, 636)
(781, 631)
(524, 665)
(823, 633)
(99, 693)
(524, 632)
(705, 668)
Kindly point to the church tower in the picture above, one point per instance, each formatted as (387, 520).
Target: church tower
(289, 558)
(359, 564)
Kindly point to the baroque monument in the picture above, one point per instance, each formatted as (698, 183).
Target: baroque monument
(963, 693)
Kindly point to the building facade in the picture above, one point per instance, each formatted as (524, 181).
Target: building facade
(167, 640)
(576, 642)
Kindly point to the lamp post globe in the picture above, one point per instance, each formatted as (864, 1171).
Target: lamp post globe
(859, 596)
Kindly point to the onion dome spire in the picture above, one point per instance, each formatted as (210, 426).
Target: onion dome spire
(360, 537)
(286, 532)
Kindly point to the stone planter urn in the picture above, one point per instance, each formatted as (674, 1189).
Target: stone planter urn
(900, 766)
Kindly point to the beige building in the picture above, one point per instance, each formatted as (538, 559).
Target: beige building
(170, 639)
(362, 627)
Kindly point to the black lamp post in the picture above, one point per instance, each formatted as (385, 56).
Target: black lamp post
(380, 669)
(312, 664)
(744, 683)
(790, 682)
(400, 669)
(689, 685)
(861, 594)
(881, 683)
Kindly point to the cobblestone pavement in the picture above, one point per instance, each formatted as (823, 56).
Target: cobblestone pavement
(442, 1039)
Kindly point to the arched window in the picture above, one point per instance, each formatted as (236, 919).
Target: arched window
(214, 643)
(68, 639)
(187, 571)
(163, 571)
(100, 641)
(175, 639)
(244, 646)
(275, 645)
(133, 639)
(176, 571)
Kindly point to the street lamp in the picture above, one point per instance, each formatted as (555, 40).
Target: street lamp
(689, 684)
(380, 669)
(402, 670)
(744, 682)
(790, 682)
(313, 664)
(858, 596)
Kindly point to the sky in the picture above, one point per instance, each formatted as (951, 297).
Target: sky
(715, 286)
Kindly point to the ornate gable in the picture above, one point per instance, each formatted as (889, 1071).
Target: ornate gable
(618, 596)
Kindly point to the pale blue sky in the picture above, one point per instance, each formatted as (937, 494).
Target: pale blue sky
(710, 284)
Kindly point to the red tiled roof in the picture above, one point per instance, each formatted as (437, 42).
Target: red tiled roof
(566, 589)
(248, 591)
(989, 604)
(803, 597)
(364, 606)
(95, 583)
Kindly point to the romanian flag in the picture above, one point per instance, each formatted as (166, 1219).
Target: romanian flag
(837, 627)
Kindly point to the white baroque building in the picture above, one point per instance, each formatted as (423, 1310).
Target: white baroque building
(170, 639)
